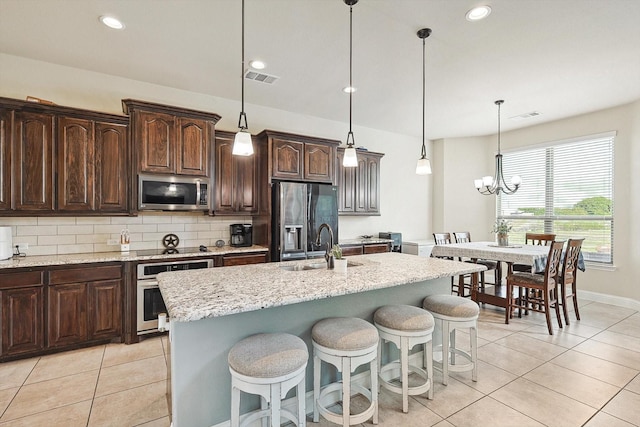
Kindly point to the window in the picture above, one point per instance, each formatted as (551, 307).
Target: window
(567, 189)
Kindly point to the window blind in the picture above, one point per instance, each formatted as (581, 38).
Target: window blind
(567, 189)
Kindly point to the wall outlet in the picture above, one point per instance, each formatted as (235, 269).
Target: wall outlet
(113, 242)
(22, 247)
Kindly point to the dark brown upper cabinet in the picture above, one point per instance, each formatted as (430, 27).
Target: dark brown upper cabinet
(170, 140)
(298, 157)
(235, 179)
(359, 187)
(61, 160)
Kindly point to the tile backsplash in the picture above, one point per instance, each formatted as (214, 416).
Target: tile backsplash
(67, 235)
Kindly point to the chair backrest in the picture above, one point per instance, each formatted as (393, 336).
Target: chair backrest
(462, 236)
(570, 264)
(552, 270)
(540, 239)
(442, 238)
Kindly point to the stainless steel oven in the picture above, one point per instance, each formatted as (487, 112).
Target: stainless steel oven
(150, 302)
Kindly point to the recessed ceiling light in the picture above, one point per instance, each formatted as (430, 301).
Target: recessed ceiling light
(258, 65)
(478, 13)
(112, 22)
(349, 89)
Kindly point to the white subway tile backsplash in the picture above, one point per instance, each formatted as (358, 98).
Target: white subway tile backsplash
(36, 230)
(74, 249)
(75, 229)
(64, 235)
(56, 220)
(57, 240)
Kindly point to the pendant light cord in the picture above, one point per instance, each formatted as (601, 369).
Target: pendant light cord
(350, 138)
(424, 97)
(243, 116)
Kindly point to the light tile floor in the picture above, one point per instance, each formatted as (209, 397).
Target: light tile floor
(587, 374)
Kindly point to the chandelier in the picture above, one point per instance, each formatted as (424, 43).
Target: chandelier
(496, 184)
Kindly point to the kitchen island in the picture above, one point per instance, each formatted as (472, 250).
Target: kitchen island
(213, 309)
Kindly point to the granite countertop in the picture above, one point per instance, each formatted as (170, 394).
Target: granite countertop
(363, 241)
(87, 258)
(199, 294)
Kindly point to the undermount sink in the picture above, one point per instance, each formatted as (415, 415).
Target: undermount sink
(313, 266)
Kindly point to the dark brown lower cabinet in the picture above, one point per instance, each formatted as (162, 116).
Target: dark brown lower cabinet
(22, 320)
(376, 248)
(60, 308)
(243, 259)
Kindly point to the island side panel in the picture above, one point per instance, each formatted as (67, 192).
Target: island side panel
(201, 383)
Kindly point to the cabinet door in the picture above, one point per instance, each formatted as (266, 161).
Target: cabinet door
(318, 162)
(373, 184)
(287, 159)
(193, 147)
(345, 180)
(22, 320)
(224, 180)
(76, 164)
(5, 159)
(105, 309)
(111, 167)
(32, 157)
(155, 138)
(245, 191)
(362, 188)
(67, 317)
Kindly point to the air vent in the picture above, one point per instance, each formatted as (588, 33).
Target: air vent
(525, 116)
(260, 77)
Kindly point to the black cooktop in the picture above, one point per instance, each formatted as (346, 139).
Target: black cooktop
(171, 251)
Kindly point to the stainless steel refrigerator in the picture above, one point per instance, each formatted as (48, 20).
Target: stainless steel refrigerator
(298, 211)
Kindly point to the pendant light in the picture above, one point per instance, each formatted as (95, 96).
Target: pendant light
(350, 159)
(242, 144)
(424, 165)
(494, 185)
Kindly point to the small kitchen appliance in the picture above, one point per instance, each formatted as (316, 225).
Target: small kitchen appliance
(396, 246)
(172, 193)
(6, 244)
(241, 235)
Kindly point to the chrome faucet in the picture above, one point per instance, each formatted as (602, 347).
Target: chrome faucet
(328, 255)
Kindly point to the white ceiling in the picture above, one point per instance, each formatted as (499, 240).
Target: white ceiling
(558, 57)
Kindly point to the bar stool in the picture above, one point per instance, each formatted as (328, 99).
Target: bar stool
(450, 313)
(268, 365)
(346, 343)
(406, 326)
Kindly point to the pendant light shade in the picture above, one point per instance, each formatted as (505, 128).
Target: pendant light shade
(424, 165)
(350, 159)
(242, 144)
(494, 185)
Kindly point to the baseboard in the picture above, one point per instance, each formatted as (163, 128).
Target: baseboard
(609, 299)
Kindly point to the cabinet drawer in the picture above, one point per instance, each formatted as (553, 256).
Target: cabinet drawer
(376, 248)
(351, 250)
(243, 259)
(16, 280)
(85, 274)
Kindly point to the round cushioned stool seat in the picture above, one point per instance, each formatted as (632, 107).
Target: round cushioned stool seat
(405, 326)
(344, 333)
(451, 306)
(451, 313)
(268, 355)
(403, 318)
(345, 343)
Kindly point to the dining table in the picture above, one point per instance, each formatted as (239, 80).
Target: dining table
(533, 255)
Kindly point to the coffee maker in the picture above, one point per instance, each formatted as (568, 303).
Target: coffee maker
(241, 235)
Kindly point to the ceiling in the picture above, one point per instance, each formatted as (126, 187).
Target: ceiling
(557, 57)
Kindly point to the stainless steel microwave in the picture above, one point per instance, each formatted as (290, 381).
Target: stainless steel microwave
(172, 193)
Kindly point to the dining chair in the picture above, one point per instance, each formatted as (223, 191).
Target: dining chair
(540, 239)
(567, 283)
(537, 292)
(445, 239)
(465, 237)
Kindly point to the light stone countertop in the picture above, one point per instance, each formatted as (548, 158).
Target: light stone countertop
(200, 294)
(363, 241)
(87, 258)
